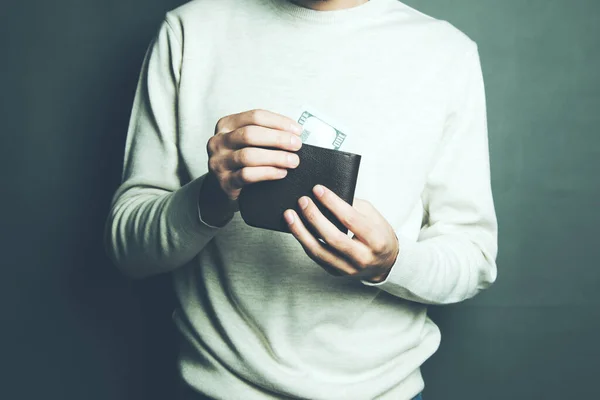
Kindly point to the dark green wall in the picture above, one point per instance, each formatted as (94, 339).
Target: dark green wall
(534, 334)
(72, 328)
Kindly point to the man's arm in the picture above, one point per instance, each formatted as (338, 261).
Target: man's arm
(155, 224)
(454, 256)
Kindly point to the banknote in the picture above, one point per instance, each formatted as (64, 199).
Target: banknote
(319, 133)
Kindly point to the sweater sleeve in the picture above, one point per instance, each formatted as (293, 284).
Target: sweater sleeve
(154, 224)
(454, 255)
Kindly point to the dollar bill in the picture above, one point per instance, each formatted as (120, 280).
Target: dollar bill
(319, 133)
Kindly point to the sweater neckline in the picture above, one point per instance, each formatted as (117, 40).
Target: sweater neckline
(288, 9)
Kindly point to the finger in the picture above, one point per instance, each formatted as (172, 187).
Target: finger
(258, 136)
(259, 117)
(247, 175)
(347, 214)
(256, 156)
(315, 249)
(326, 230)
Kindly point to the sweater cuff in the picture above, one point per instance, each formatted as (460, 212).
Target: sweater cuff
(205, 224)
(190, 193)
(405, 269)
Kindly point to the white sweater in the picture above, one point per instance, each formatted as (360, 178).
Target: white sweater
(258, 318)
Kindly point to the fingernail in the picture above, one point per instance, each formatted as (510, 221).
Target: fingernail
(296, 141)
(289, 217)
(319, 190)
(293, 160)
(303, 202)
(297, 129)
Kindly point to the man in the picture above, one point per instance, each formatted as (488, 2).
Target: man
(269, 315)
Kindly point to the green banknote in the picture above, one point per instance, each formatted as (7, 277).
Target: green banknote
(319, 133)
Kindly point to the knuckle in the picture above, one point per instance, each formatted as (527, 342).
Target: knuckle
(231, 182)
(255, 115)
(310, 213)
(243, 156)
(221, 125)
(224, 180)
(210, 146)
(212, 164)
(244, 175)
(225, 183)
(245, 134)
(337, 239)
(378, 245)
(363, 260)
(236, 179)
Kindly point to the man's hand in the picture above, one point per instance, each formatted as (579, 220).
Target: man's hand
(238, 155)
(248, 147)
(369, 254)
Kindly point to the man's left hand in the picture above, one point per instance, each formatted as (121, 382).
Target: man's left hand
(369, 254)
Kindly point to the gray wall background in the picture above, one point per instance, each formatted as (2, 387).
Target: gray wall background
(72, 328)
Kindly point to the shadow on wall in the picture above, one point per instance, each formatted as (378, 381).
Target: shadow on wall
(133, 318)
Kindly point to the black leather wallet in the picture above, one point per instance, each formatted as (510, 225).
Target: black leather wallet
(262, 203)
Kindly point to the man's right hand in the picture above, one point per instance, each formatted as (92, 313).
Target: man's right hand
(248, 147)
